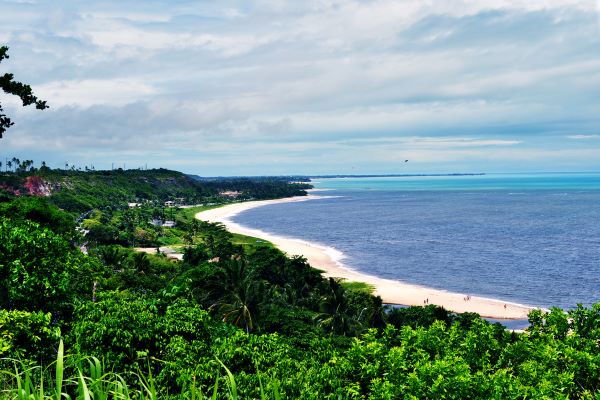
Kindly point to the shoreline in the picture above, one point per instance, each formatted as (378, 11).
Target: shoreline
(329, 260)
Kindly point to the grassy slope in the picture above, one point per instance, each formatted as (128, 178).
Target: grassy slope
(84, 191)
(80, 191)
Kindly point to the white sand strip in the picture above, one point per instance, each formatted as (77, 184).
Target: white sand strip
(329, 260)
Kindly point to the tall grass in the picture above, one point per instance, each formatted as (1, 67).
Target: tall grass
(26, 382)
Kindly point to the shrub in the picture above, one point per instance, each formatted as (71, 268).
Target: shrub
(27, 335)
(41, 270)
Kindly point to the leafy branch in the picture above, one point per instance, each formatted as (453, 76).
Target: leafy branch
(23, 91)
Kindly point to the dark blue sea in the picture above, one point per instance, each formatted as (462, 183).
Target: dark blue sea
(531, 239)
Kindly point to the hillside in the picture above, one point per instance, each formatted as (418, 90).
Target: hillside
(80, 191)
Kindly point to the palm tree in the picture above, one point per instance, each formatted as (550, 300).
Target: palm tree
(141, 262)
(8, 165)
(334, 315)
(111, 256)
(241, 295)
(27, 165)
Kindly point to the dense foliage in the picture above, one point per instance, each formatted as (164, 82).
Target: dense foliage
(79, 190)
(41, 270)
(280, 328)
(257, 187)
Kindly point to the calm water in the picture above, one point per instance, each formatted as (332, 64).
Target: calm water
(532, 239)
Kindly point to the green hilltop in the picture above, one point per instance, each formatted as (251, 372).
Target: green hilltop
(80, 191)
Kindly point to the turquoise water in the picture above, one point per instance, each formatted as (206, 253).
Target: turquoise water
(527, 238)
(574, 181)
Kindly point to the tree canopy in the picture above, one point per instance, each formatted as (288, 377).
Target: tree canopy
(23, 91)
(274, 322)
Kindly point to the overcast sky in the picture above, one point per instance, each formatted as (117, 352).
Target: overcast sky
(307, 87)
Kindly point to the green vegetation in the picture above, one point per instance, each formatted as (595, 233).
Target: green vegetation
(77, 190)
(236, 318)
(88, 379)
(358, 286)
(24, 92)
(249, 243)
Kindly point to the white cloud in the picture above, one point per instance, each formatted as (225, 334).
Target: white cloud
(454, 80)
(84, 93)
(461, 142)
(582, 137)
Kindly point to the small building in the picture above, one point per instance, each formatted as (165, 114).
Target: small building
(230, 193)
(164, 224)
(169, 203)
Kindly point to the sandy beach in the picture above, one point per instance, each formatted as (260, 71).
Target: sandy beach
(330, 261)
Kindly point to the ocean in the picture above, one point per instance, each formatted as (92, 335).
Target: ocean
(532, 239)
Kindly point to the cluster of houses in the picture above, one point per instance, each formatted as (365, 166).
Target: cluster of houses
(160, 222)
(164, 224)
(232, 194)
(169, 203)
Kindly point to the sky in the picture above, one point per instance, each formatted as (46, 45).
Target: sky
(271, 87)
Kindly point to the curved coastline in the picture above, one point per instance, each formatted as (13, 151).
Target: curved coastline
(329, 260)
